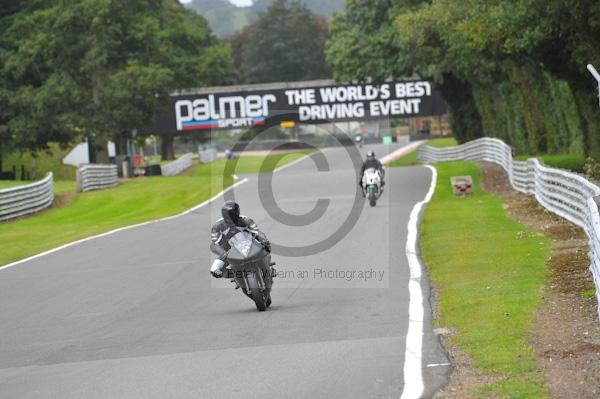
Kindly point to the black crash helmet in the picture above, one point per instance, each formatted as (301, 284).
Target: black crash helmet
(231, 212)
(370, 155)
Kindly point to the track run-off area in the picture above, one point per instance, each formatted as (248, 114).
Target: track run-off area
(136, 314)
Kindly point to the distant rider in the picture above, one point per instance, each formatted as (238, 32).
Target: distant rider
(358, 139)
(371, 162)
(219, 246)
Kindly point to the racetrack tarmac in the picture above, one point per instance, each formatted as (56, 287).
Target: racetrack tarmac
(136, 314)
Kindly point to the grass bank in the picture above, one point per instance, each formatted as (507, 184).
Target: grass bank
(60, 186)
(411, 157)
(574, 162)
(489, 270)
(136, 201)
(12, 183)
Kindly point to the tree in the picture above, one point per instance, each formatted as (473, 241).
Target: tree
(238, 42)
(10, 12)
(513, 69)
(285, 44)
(227, 19)
(363, 42)
(74, 68)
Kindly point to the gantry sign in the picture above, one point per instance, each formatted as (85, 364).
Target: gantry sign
(300, 102)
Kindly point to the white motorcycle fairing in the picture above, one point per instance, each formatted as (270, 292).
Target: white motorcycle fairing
(371, 183)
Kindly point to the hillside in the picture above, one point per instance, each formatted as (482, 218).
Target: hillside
(225, 18)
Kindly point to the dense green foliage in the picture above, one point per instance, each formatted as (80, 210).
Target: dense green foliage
(286, 43)
(226, 19)
(69, 68)
(489, 270)
(39, 163)
(513, 69)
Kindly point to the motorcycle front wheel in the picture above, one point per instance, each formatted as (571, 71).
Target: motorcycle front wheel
(259, 299)
(258, 296)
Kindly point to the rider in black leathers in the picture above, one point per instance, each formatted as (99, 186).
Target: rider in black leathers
(371, 162)
(231, 216)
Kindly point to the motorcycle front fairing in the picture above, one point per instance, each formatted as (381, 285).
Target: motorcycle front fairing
(244, 248)
(371, 177)
(248, 256)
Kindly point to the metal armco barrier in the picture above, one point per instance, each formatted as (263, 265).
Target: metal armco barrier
(207, 156)
(26, 199)
(564, 193)
(96, 177)
(178, 166)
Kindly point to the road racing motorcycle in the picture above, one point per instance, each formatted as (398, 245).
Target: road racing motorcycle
(359, 140)
(250, 266)
(371, 184)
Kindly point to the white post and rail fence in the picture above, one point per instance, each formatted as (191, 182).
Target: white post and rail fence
(564, 193)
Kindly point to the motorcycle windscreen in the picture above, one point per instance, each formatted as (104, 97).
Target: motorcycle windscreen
(243, 247)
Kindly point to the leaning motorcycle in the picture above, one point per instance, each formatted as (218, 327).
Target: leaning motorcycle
(371, 184)
(250, 266)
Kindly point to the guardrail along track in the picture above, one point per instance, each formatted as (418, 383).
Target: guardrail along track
(178, 166)
(564, 193)
(96, 177)
(26, 199)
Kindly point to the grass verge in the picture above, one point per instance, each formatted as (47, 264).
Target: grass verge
(139, 200)
(411, 157)
(12, 183)
(60, 186)
(490, 270)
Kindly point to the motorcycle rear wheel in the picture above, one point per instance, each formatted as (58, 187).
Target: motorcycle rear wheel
(372, 200)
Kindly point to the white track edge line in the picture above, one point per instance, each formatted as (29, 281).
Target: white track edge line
(64, 246)
(413, 362)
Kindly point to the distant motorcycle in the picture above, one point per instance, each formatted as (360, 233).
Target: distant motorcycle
(371, 184)
(250, 266)
(359, 140)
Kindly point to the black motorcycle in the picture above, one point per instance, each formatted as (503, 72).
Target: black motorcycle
(250, 266)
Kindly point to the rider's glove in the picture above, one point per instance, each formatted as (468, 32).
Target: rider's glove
(267, 245)
(217, 268)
